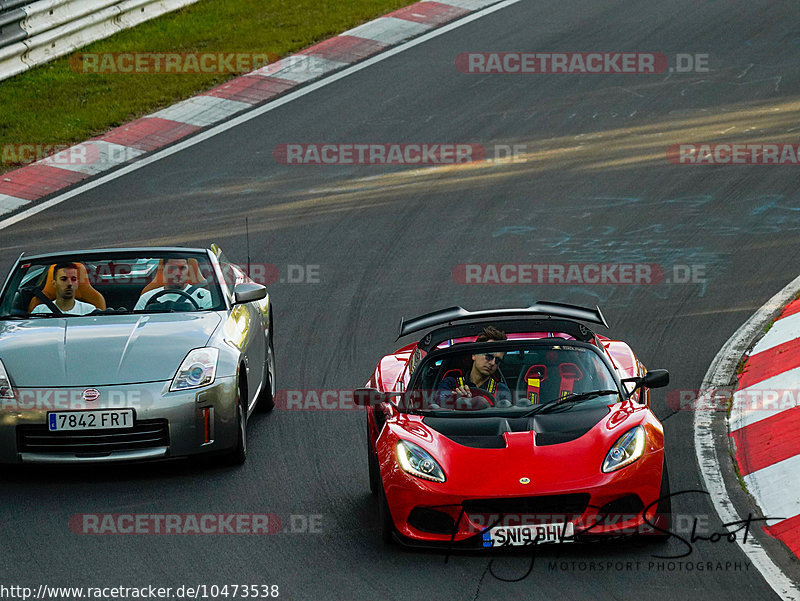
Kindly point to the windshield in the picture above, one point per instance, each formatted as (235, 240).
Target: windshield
(73, 286)
(512, 377)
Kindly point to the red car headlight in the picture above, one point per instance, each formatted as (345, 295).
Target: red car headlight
(628, 448)
(418, 462)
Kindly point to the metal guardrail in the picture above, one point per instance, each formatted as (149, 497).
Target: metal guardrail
(32, 33)
(11, 14)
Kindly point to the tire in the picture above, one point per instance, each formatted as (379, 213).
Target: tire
(374, 471)
(266, 398)
(664, 508)
(239, 453)
(386, 524)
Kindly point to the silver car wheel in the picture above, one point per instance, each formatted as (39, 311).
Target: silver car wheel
(266, 398)
(239, 453)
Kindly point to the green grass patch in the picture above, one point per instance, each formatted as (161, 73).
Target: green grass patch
(739, 477)
(53, 104)
(741, 365)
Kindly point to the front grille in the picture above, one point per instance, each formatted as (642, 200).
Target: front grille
(546, 504)
(145, 434)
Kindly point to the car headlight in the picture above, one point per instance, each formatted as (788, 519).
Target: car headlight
(418, 462)
(628, 448)
(198, 369)
(6, 392)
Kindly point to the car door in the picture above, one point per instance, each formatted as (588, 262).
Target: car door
(246, 328)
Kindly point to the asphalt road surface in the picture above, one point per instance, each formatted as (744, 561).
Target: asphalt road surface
(592, 185)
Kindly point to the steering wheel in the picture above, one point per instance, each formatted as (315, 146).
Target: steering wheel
(185, 295)
(478, 399)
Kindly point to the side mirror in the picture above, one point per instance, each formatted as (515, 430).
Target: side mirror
(655, 378)
(247, 293)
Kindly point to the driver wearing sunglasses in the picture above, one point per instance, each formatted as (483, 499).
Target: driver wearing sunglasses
(484, 373)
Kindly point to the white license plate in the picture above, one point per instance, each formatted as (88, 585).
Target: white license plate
(514, 536)
(101, 419)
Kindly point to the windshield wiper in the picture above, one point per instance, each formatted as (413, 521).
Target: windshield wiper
(572, 398)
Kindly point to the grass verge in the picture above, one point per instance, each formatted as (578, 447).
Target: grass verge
(53, 104)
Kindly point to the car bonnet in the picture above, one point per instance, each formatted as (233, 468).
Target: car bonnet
(101, 350)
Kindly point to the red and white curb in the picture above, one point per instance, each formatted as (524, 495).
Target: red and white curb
(710, 458)
(29, 184)
(766, 435)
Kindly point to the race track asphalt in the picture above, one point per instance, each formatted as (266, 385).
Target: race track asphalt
(594, 186)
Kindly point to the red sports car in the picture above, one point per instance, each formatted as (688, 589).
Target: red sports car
(514, 427)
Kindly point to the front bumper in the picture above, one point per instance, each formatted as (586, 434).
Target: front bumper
(166, 424)
(618, 504)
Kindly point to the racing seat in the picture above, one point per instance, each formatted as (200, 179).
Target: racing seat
(195, 276)
(537, 383)
(85, 291)
(532, 381)
(569, 373)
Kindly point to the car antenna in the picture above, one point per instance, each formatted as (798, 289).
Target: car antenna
(247, 238)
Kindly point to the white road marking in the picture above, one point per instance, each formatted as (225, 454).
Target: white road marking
(299, 68)
(201, 110)
(11, 203)
(777, 488)
(750, 407)
(93, 156)
(388, 30)
(782, 331)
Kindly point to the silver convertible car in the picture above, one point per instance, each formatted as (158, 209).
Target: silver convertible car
(131, 354)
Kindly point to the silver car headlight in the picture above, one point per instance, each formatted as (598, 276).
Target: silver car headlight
(628, 448)
(418, 462)
(198, 369)
(6, 392)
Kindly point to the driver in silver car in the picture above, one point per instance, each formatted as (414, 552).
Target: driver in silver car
(176, 277)
(483, 374)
